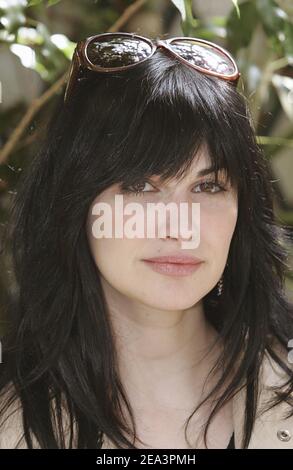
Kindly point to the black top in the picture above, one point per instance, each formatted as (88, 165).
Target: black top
(231, 444)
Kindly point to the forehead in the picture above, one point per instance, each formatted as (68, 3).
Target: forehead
(201, 161)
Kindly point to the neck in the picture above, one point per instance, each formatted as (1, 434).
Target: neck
(160, 351)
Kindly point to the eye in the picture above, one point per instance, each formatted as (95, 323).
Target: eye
(209, 187)
(137, 188)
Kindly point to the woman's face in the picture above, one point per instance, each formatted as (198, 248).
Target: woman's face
(120, 259)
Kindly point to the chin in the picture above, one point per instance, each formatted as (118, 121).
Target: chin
(170, 303)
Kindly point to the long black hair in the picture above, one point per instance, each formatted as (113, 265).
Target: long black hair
(59, 355)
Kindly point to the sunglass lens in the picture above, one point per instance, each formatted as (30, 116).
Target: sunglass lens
(117, 51)
(204, 56)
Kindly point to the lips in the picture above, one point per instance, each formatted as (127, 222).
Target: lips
(175, 265)
(175, 259)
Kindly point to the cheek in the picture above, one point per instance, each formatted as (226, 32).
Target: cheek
(217, 225)
(114, 260)
(112, 255)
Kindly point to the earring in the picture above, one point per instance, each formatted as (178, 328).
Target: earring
(220, 286)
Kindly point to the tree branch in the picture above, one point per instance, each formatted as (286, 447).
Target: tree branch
(39, 102)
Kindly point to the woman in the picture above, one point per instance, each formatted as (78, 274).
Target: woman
(108, 346)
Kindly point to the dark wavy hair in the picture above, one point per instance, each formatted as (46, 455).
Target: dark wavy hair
(59, 351)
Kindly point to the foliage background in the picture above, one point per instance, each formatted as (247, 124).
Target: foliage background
(37, 39)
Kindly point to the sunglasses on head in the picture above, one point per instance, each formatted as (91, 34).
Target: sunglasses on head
(111, 52)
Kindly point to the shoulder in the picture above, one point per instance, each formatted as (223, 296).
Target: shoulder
(11, 424)
(273, 427)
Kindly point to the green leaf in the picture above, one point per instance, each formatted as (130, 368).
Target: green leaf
(241, 29)
(270, 140)
(235, 2)
(277, 26)
(288, 39)
(181, 7)
(287, 6)
(271, 15)
(26, 55)
(52, 2)
(32, 3)
(284, 87)
(37, 2)
(28, 36)
(63, 44)
(189, 24)
(12, 20)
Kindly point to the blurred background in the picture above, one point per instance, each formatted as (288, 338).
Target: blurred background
(37, 39)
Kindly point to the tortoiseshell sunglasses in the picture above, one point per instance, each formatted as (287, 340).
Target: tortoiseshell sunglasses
(110, 52)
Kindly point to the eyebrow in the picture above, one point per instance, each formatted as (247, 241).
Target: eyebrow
(203, 172)
(208, 171)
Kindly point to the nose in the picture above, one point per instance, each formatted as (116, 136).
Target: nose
(178, 228)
